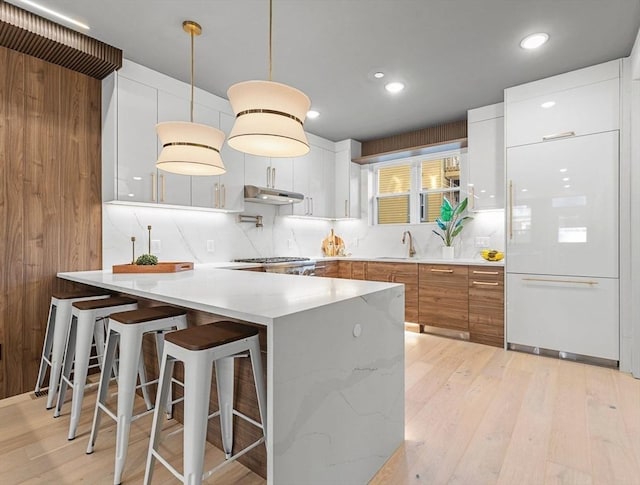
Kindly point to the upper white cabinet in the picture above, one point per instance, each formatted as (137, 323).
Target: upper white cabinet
(485, 155)
(173, 188)
(275, 173)
(347, 180)
(224, 191)
(137, 115)
(313, 176)
(578, 103)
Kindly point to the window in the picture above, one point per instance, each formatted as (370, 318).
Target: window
(394, 190)
(411, 190)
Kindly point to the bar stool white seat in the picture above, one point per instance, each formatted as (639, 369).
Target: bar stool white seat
(199, 348)
(55, 338)
(126, 329)
(87, 326)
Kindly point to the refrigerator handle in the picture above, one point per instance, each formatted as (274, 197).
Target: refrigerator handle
(510, 209)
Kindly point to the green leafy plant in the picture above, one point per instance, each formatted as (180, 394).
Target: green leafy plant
(147, 259)
(451, 220)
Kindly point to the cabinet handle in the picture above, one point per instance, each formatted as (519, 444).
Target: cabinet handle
(163, 187)
(311, 200)
(441, 270)
(543, 280)
(224, 196)
(472, 197)
(273, 177)
(484, 283)
(216, 198)
(555, 136)
(485, 272)
(268, 176)
(346, 208)
(154, 188)
(510, 209)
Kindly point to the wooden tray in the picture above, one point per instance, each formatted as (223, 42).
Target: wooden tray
(166, 267)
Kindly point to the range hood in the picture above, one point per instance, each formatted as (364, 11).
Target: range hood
(266, 195)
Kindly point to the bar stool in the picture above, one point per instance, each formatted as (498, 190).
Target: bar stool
(127, 329)
(86, 327)
(198, 348)
(55, 338)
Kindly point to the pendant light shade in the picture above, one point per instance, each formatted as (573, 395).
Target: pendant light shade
(190, 148)
(269, 119)
(269, 115)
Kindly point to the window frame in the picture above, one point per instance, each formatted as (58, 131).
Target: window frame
(416, 192)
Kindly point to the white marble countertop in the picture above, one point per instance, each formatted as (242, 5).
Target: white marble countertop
(381, 259)
(251, 296)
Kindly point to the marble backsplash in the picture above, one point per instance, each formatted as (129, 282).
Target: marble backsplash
(183, 235)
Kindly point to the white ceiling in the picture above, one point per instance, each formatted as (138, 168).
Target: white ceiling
(451, 54)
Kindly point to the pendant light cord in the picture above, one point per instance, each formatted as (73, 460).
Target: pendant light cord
(270, 38)
(192, 74)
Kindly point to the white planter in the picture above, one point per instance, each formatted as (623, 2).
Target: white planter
(448, 252)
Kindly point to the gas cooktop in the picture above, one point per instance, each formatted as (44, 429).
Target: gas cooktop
(280, 259)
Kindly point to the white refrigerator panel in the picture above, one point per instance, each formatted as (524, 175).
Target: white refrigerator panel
(569, 314)
(562, 203)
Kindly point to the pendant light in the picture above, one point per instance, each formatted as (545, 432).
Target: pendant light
(269, 115)
(190, 148)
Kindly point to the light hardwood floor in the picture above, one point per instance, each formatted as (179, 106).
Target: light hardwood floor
(474, 415)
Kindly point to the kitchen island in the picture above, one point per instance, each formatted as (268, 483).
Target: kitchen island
(335, 361)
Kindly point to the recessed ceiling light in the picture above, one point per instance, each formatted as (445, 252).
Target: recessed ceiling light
(565, 179)
(534, 41)
(525, 190)
(378, 75)
(563, 170)
(131, 195)
(137, 178)
(312, 114)
(548, 104)
(567, 186)
(394, 87)
(55, 14)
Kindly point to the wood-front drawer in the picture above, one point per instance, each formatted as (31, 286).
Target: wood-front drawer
(443, 275)
(484, 274)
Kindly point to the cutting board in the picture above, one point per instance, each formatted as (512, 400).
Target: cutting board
(165, 267)
(332, 245)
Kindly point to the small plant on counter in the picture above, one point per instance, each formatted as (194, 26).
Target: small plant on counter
(147, 259)
(451, 220)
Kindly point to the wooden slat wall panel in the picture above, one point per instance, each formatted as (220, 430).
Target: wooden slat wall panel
(423, 137)
(38, 37)
(50, 200)
(13, 221)
(5, 82)
(41, 205)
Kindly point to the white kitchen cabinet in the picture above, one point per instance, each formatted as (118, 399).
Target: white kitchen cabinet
(275, 173)
(347, 180)
(551, 109)
(173, 188)
(485, 157)
(313, 176)
(136, 141)
(563, 207)
(224, 191)
(568, 314)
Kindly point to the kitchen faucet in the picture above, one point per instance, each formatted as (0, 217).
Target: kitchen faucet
(412, 250)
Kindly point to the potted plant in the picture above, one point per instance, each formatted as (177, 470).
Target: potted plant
(450, 222)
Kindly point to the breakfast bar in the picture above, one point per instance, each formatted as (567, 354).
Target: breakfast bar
(335, 361)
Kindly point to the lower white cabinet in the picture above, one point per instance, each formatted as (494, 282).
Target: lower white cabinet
(564, 313)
